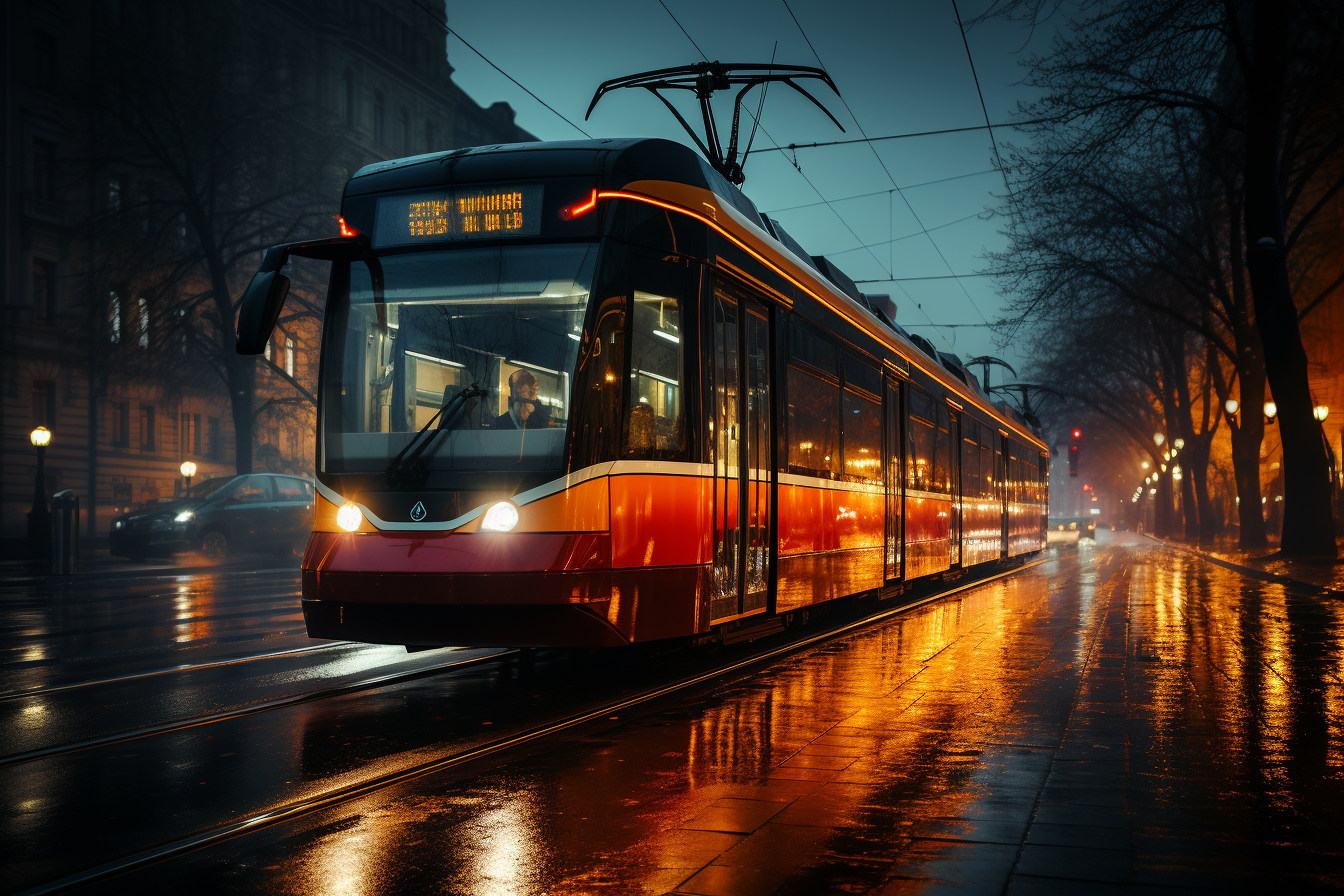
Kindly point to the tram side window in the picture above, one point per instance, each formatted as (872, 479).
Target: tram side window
(814, 412)
(655, 426)
(920, 441)
(942, 454)
(986, 481)
(970, 458)
(863, 438)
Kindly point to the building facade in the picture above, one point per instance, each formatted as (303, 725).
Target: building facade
(109, 367)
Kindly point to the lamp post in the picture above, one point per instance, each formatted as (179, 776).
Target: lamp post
(188, 470)
(39, 518)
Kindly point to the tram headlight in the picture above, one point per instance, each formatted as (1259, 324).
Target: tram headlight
(348, 517)
(501, 517)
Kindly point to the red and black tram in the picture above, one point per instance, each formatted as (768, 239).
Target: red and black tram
(585, 394)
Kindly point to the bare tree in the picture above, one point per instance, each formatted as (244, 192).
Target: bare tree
(1253, 83)
(214, 159)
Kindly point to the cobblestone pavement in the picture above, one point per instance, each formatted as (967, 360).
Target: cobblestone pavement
(1122, 718)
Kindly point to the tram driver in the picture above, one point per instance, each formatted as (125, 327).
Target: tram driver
(525, 411)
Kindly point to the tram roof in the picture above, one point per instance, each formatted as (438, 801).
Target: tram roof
(617, 161)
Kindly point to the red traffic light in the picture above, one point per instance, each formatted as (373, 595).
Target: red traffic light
(1077, 433)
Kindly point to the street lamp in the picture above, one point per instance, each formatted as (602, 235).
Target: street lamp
(1271, 411)
(188, 470)
(39, 518)
(1178, 444)
(1158, 439)
(1232, 406)
(1320, 412)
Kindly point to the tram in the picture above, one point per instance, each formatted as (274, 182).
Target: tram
(586, 394)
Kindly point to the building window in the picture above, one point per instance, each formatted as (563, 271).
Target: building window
(114, 317)
(44, 59)
(379, 129)
(142, 322)
(146, 427)
(349, 98)
(191, 434)
(121, 424)
(44, 169)
(289, 355)
(44, 290)
(216, 439)
(44, 403)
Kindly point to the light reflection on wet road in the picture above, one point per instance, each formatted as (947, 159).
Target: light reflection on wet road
(1122, 715)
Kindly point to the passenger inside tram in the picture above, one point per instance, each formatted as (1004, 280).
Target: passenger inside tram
(525, 411)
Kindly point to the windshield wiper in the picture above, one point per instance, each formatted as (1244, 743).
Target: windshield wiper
(410, 468)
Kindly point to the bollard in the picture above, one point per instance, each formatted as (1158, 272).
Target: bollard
(65, 532)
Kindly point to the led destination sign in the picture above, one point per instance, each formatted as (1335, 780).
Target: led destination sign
(463, 214)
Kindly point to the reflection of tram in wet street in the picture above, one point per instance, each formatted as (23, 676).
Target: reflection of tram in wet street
(586, 394)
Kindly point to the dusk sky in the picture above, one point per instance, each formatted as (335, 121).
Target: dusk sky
(900, 66)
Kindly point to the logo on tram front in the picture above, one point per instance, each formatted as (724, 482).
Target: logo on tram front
(418, 511)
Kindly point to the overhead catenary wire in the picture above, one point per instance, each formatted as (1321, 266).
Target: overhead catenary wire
(983, 108)
(775, 211)
(885, 169)
(908, 236)
(448, 30)
(849, 142)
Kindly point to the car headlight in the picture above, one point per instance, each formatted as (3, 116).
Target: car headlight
(501, 517)
(348, 517)
(116, 524)
(184, 516)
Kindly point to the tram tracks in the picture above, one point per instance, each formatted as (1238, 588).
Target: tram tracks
(354, 687)
(457, 755)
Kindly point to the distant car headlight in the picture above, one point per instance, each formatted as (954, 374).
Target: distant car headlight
(348, 517)
(184, 516)
(501, 517)
(116, 524)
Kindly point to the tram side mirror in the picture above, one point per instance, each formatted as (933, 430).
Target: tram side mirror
(261, 304)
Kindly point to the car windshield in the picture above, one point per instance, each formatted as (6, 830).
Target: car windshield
(504, 320)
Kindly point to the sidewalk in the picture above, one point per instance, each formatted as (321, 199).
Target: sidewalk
(1267, 565)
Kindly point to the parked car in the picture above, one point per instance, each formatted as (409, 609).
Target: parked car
(258, 512)
(1068, 530)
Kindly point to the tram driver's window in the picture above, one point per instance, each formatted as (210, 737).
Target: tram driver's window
(655, 425)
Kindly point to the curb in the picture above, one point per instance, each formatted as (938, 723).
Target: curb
(1250, 571)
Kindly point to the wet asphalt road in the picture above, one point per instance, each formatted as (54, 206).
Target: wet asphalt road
(1120, 718)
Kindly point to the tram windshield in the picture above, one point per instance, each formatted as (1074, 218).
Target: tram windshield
(501, 324)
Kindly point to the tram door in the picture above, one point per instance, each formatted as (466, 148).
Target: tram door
(742, 460)
(954, 459)
(895, 481)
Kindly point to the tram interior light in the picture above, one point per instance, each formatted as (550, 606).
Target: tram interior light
(1145, 465)
(1178, 444)
(500, 517)
(1158, 439)
(348, 517)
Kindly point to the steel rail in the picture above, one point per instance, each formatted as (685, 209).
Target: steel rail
(338, 795)
(42, 691)
(267, 706)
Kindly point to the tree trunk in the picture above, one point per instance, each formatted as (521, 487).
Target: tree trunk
(1308, 524)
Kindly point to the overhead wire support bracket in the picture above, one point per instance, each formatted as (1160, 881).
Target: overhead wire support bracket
(707, 78)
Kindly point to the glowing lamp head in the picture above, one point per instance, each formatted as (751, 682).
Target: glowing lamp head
(40, 437)
(1158, 439)
(500, 517)
(1271, 410)
(1232, 405)
(1178, 444)
(1320, 412)
(348, 517)
(188, 469)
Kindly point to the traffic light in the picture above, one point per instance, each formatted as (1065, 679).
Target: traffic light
(1073, 452)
